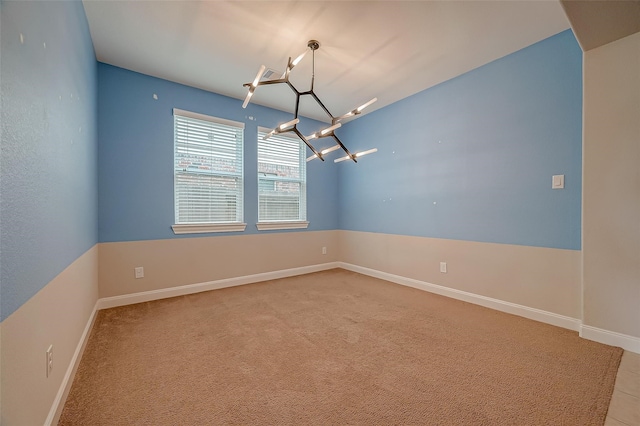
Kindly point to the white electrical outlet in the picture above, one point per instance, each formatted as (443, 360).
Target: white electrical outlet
(324, 250)
(49, 360)
(443, 267)
(139, 272)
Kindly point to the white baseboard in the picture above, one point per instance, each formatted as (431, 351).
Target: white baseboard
(110, 302)
(147, 296)
(499, 305)
(626, 342)
(592, 333)
(58, 403)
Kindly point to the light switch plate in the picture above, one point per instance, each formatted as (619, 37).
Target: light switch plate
(557, 182)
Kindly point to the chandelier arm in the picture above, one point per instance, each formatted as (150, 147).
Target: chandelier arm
(320, 103)
(297, 59)
(287, 70)
(297, 100)
(301, 136)
(292, 125)
(353, 157)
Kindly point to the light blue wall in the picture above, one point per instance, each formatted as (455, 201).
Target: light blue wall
(482, 147)
(48, 159)
(472, 158)
(136, 156)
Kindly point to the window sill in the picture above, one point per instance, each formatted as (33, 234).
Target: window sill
(270, 226)
(201, 228)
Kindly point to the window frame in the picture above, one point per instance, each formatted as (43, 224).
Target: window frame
(301, 222)
(223, 226)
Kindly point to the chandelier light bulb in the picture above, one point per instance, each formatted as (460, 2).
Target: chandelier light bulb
(330, 129)
(363, 106)
(324, 152)
(282, 128)
(323, 132)
(328, 150)
(297, 60)
(347, 115)
(246, 100)
(356, 155)
(257, 79)
(253, 86)
(370, 151)
(289, 124)
(346, 157)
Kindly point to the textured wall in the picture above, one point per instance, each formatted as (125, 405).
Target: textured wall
(48, 174)
(472, 158)
(183, 261)
(536, 277)
(57, 315)
(136, 156)
(48, 199)
(612, 187)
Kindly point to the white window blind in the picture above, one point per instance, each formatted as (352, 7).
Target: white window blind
(208, 169)
(282, 179)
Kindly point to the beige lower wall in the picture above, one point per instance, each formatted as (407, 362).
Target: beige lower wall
(611, 186)
(183, 261)
(541, 278)
(58, 315)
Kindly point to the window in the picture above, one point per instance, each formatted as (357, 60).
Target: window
(208, 183)
(282, 182)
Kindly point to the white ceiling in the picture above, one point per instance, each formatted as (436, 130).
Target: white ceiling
(383, 49)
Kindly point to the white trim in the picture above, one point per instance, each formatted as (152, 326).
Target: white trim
(499, 305)
(61, 397)
(110, 302)
(626, 342)
(269, 226)
(209, 118)
(201, 228)
(147, 296)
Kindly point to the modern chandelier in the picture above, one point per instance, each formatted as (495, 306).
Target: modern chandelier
(291, 126)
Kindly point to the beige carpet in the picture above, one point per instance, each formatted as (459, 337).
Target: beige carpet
(334, 347)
